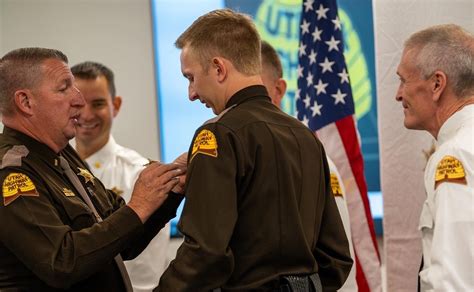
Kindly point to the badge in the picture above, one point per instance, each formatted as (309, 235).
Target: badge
(116, 190)
(88, 177)
(68, 193)
(205, 143)
(15, 185)
(335, 186)
(450, 169)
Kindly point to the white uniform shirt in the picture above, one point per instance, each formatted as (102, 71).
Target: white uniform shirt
(118, 169)
(351, 284)
(447, 218)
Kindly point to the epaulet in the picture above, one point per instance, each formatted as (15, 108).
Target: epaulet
(218, 117)
(14, 155)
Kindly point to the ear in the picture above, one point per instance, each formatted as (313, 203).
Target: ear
(116, 103)
(280, 89)
(22, 101)
(439, 82)
(220, 68)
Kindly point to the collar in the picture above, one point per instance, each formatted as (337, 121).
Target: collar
(105, 154)
(32, 144)
(247, 93)
(454, 123)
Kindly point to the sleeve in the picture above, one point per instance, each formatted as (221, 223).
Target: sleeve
(204, 261)
(332, 248)
(52, 250)
(452, 251)
(339, 193)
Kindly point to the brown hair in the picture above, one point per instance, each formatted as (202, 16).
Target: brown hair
(21, 69)
(226, 34)
(91, 70)
(270, 58)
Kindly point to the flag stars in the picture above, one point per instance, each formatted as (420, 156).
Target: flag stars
(312, 57)
(308, 5)
(297, 94)
(302, 49)
(305, 121)
(307, 101)
(300, 71)
(332, 43)
(344, 76)
(304, 27)
(326, 65)
(309, 79)
(321, 12)
(317, 34)
(320, 87)
(316, 108)
(337, 23)
(339, 97)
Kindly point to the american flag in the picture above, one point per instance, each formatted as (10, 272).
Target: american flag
(324, 103)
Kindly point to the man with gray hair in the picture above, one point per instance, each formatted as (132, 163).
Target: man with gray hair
(437, 94)
(61, 229)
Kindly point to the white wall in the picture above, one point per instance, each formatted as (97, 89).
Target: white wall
(114, 32)
(401, 150)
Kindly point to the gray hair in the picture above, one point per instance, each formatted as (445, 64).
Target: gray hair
(21, 69)
(448, 48)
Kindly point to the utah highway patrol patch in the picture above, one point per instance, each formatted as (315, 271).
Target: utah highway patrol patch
(335, 186)
(205, 143)
(16, 185)
(450, 169)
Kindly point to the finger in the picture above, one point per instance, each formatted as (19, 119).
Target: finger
(165, 188)
(156, 169)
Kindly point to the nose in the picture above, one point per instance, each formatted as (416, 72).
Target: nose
(398, 95)
(78, 100)
(192, 94)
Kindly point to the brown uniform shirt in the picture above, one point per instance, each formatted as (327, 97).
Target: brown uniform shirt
(49, 239)
(258, 203)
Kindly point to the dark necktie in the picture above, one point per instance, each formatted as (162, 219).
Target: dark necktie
(82, 191)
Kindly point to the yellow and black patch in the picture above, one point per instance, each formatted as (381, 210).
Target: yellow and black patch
(16, 185)
(88, 177)
(68, 193)
(450, 169)
(335, 186)
(205, 143)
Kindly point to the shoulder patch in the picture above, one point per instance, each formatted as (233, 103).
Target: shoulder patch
(14, 155)
(335, 186)
(16, 185)
(450, 169)
(205, 143)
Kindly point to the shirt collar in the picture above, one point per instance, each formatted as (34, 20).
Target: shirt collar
(251, 92)
(454, 123)
(105, 154)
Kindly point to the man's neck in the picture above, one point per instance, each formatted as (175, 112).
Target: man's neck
(450, 109)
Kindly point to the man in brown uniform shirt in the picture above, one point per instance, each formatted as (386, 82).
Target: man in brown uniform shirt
(61, 229)
(258, 199)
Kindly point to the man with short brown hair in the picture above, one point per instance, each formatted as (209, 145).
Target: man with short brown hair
(259, 213)
(61, 228)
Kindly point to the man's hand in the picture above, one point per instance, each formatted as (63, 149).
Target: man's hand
(152, 187)
(182, 161)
